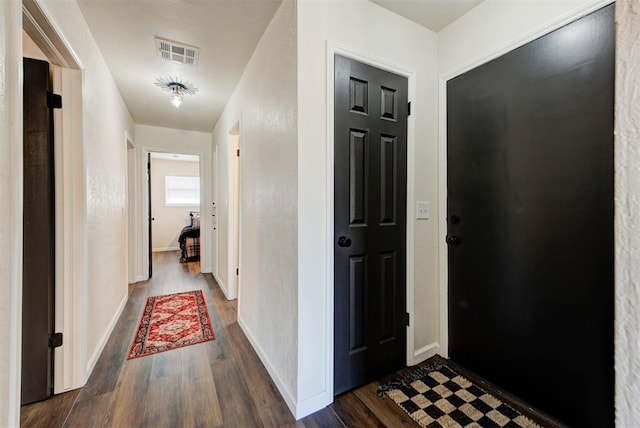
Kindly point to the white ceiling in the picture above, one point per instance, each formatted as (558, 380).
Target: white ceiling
(433, 14)
(226, 31)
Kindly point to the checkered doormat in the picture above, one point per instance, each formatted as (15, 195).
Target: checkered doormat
(436, 396)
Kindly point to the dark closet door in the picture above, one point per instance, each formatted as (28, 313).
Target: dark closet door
(38, 244)
(370, 223)
(530, 221)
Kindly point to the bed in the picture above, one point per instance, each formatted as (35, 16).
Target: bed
(189, 239)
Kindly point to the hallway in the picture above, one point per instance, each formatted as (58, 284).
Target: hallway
(217, 383)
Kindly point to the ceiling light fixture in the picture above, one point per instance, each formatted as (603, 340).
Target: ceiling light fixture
(178, 88)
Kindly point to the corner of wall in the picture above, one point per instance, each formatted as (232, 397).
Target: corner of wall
(627, 236)
(91, 363)
(277, 378)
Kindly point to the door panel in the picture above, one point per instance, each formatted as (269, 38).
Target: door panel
(370, 229)
(38, 234)
(530, 201)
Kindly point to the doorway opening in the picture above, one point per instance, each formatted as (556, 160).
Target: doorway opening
(68, 274)
(174, 195)
(529, 170)
(233, 238)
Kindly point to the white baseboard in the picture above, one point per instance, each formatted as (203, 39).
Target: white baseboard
(205, 269)
(141, 278)
(223, 287)
(159, 250)
(313, 404)
(105, 337)
(425, 353)
(275, 376)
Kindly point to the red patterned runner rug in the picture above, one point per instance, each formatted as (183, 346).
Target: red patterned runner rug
(172, 321)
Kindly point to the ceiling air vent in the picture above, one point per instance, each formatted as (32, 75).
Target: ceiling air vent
(177, 52)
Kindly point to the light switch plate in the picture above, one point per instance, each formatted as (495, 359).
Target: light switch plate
(422, 210)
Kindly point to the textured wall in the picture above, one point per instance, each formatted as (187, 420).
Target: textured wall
(627, 208)
(10, 211)
(265, 103)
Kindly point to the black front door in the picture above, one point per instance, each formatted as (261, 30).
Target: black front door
(370, 223)
(38, 234)
(530, 221)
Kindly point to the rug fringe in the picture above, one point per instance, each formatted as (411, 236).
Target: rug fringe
(409, 378)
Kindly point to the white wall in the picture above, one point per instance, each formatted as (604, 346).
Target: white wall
(492, 27)
(105, 119)
(627, 155)
(169, 140)
(378, 34)
(169, 219)
(10, 211)
(265, 103)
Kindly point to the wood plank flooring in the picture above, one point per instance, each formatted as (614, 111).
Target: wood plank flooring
(221, 383)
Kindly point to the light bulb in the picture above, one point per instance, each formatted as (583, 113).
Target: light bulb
(176, 98)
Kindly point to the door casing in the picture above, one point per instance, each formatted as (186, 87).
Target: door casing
(412, 356)
(143, 213)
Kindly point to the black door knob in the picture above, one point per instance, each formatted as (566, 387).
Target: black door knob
(452, 240)
(343, 241)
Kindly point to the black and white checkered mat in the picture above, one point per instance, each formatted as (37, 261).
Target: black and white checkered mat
(436, 396)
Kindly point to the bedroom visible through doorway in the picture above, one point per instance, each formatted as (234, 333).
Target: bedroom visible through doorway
(175, 205)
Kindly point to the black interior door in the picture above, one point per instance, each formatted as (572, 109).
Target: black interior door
(530, 221)
(38, 234)
(370, 223)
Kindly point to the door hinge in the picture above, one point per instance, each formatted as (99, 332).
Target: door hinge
(406, 318)
(409, 109)
(238, 152)
(54, 100)
(237, 271)
(55, 340)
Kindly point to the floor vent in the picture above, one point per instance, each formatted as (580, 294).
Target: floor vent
(177, 52)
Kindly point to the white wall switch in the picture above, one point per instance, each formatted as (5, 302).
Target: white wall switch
(422, 210)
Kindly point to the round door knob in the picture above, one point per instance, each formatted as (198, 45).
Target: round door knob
(343, 241)
(452, 240)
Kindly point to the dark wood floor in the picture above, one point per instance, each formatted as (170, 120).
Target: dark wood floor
(214, 384)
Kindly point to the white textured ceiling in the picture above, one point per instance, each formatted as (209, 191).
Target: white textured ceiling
(433, 14)
(226, 31)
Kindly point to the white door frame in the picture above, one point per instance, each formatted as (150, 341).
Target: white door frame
(131, 207)
(70, 361)
(214, 214)
(233, 213)
(144, 211)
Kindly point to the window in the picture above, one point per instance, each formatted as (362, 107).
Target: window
(182, 190)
